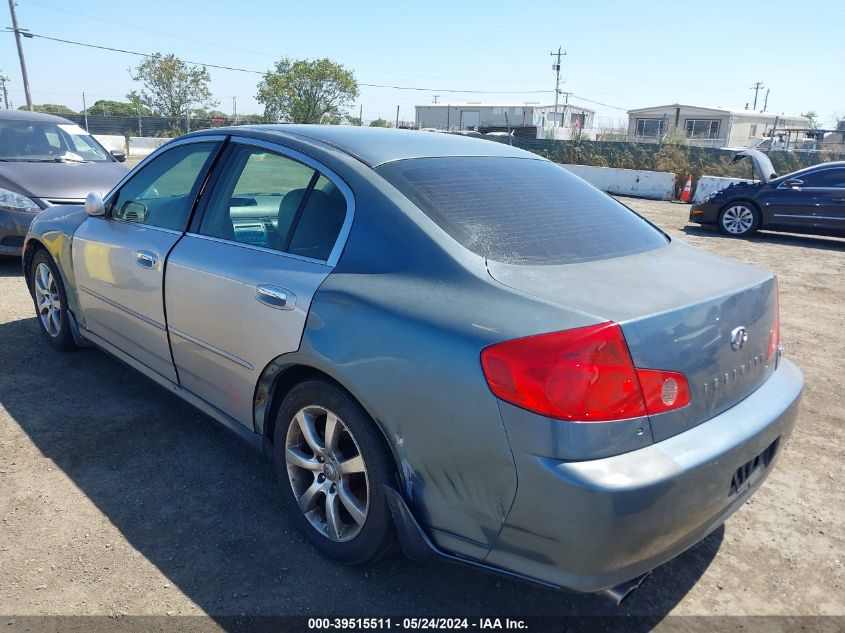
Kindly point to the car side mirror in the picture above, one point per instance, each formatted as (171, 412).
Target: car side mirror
(794, 183)
(119, 155)
(94, 205)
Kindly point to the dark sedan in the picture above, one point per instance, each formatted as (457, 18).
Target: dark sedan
(810, 200)
(46, 160)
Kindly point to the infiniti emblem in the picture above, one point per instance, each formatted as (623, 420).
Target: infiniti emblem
(738, 337)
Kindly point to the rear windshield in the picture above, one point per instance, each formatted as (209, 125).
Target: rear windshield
(521, 211)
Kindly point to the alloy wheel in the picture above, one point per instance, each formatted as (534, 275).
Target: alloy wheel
(327, 473)
(47, 300)
(738, 219)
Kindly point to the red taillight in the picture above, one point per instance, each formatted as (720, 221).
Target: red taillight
(774, 333)
(585, 375)
(663, 390)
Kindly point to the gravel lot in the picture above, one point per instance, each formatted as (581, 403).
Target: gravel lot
(116, 498)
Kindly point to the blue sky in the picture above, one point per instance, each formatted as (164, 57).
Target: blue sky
(624, 54)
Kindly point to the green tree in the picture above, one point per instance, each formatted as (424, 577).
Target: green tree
(49, 108)
(171, 87)
(118, 108)
(380, 123)
(306, 91)
(814, 119)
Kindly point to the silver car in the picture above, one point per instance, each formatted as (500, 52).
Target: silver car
(45, 161)
(443, 338)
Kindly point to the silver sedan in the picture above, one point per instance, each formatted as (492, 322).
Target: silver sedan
(443, 338)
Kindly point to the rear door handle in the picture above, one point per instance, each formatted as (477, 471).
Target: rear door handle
(275, 297)
(146, 259)
(838, 199)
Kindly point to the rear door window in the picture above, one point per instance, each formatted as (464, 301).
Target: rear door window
(521, 211)
(273, 201)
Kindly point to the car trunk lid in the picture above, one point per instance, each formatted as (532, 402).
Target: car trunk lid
(679, 309)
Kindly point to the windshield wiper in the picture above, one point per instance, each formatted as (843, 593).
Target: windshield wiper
(51, 160)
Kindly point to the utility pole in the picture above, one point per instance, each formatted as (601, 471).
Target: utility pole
(766, 100)
(84, 111)
(3, 80)
(140, 125)
(361, 115)
(17, 31)
(436, 97)
(397, 117)
(556, 68)
(756, 88)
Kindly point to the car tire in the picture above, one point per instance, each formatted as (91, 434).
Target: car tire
(333, 483)
(739, 219)
(50, 299)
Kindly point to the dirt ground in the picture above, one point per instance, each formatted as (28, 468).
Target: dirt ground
(116, 498)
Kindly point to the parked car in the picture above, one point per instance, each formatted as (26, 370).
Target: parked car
(46, 160)
(810, 200)
(446, 334)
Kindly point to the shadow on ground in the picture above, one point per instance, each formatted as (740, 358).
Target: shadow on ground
(205, 509)
(770, 237)
(10, 266)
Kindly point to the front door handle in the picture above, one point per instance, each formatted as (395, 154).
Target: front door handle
(275, 297)
(838, 199)
(146, 259)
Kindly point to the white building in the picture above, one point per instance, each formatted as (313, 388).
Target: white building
(708, 127)
(539, 119)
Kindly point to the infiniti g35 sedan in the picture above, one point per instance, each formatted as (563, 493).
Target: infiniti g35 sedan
(441, 338)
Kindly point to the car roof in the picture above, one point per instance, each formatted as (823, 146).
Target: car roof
(26, 115)
(376, 146)
(839, 164)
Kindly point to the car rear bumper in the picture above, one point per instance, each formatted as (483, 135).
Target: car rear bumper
(590, 525)
(13, 228)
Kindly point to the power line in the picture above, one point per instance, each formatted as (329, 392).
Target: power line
(606, 105)
(368, 85)
(146, 29)
(260, 72)
(242, 50)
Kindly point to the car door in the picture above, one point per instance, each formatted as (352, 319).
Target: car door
(809, 201)
(119, 259)
(828, 190)
(240, 283)
(786, 204)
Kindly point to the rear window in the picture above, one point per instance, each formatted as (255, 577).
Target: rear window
(521, 211)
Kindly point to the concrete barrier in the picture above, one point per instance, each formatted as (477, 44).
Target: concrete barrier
(654, 185)
(144, 145)
(112, 141)
(711, 184)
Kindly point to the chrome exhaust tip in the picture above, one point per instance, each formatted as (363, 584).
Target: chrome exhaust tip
(625, 589)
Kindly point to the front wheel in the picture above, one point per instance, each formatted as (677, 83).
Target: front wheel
(739, 219)
(332, 467)
(48, 292)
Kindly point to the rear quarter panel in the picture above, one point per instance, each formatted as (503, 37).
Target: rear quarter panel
(400, 323)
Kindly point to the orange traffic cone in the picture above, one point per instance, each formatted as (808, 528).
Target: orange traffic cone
(686, 194)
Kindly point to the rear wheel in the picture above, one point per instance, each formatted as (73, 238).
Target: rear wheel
(332, 467)
(739, 219)
(48, 293)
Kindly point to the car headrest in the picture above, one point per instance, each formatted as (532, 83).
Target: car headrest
(287, 210)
